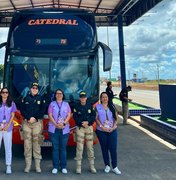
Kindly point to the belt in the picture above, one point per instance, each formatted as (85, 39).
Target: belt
(83, 127)
(34, 122)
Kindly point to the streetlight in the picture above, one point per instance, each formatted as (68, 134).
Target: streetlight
(108, 45)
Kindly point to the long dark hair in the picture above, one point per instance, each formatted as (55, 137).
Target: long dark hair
(110, 106)
(9, 98)
(56, 92)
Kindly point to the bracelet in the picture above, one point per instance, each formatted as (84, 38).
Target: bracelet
(100, 126)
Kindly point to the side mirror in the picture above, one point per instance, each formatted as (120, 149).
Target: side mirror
(3, 44)
(107, 56)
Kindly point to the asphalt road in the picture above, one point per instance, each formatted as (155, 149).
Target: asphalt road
(144, 97)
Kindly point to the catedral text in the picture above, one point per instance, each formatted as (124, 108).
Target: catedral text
(72, 22)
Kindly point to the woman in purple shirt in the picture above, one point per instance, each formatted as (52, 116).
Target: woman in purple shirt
(107, 132)
(59, 113)
(7, 113)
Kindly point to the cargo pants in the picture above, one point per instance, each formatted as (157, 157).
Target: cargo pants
(81, 135)
(32, 136)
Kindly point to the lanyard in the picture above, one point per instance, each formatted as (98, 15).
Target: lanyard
(59, 108)
(4, 116)
(107, 114)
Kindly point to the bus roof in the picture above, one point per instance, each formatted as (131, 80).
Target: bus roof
(106, 12)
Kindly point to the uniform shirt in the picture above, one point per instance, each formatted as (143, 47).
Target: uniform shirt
(104, 116)
(33, 106)
(63, 109)
(110, 94)
(123, 94)
(5, 113)
(83, 113)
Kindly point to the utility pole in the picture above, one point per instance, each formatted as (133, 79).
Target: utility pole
(158, 73)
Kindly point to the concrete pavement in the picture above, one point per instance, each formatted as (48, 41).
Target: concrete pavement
(141, 156)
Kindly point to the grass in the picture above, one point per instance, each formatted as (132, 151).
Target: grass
(167, 120)
(135, 106)
(130, 105)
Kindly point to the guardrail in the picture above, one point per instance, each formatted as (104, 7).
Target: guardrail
(137, 112)
(164, 129)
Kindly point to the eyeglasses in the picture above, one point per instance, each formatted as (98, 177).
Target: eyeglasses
(34, 88)
(59, 93)
(5, 92)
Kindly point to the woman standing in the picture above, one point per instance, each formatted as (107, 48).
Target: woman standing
(59, 113)
(7, 112)
(107, 132)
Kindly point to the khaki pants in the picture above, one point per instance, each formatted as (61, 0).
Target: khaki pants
(81, 135)
(32, 134)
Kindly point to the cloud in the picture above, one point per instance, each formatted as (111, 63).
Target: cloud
(150, 42)
(3, 38)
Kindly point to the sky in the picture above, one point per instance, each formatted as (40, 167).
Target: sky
(150, 44)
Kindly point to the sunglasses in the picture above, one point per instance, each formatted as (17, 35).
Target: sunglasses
(5, 92)
(34, 88)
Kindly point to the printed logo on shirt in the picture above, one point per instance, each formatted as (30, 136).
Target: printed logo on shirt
(89, 110)
(38, 102)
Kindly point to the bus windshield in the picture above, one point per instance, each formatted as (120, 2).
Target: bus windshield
(71, 74)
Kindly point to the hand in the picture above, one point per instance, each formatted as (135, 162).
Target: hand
(113, 128)
(104, 129)
(129, 100)
(85, 124)
(32, 120)
(6, 127)
(60, 126)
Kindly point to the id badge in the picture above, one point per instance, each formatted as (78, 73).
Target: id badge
(2, 125)
(106, 124)
(4, 121)
(60, 120)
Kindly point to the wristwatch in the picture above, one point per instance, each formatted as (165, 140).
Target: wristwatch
(64, 124)
(100, 126)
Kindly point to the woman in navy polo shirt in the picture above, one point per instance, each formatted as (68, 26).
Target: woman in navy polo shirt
(59, 113)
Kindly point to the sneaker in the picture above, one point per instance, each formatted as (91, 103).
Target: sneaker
(107, 169)
(116, 171)
(64, 171)
(8, 170)
(54, 171)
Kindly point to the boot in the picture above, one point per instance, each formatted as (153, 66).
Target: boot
(37, 166)
(28, 167)
(78, 167)
(92, 168)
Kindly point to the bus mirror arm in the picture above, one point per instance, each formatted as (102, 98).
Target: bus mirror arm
(107, 56)
(3, 44)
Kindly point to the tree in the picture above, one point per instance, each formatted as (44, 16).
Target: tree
(1, 71)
